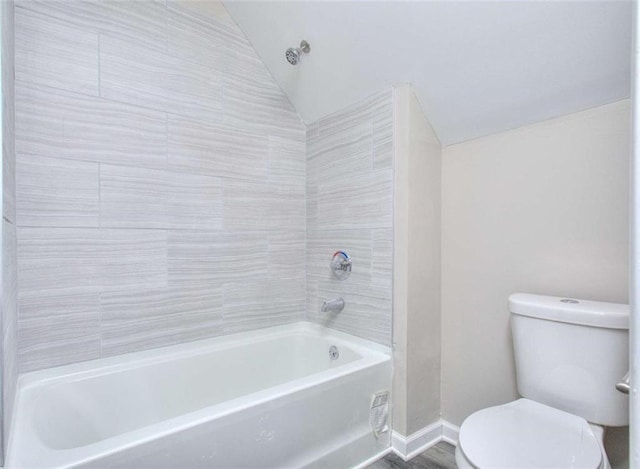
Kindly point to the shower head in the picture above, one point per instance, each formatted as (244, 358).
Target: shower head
(293, 55)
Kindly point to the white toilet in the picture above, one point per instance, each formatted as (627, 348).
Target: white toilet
(569, 356)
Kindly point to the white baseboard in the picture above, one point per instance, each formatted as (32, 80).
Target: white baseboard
(450, 433)
(409, 446)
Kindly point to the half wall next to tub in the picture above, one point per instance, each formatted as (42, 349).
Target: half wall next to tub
(416, 271)
(349, 207)
(160, 181)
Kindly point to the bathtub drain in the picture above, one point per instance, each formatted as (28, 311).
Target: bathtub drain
(334, 353)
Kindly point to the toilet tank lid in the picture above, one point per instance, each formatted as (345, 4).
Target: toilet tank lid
(570, 310)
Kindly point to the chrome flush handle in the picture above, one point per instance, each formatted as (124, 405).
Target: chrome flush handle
(623, 386)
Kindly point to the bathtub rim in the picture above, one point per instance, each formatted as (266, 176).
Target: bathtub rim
(371, 354)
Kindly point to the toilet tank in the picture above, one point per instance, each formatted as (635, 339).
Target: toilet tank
(571, 353)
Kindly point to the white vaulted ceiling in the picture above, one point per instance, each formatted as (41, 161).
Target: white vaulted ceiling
(477, 67)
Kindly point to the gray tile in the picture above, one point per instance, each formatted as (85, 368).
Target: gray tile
(56, 192)
(216, 150)
(134, 258)
(41, 345)
(155, 142)
(287, 161)
(382, 259)
(77, 13)
(9, 277)
(350, 206)
(198, 38)
(312, 131)
(202, 11)
(157, 80)
(56, 328)
(372, 108)
(8, 171)
(9, 353)
(146, 318)
(311, 300)
(260, 304)
(362, 201)
(143, 21)
(8, 111)
(60, 124)
(340, 155)
(287, 255)
(9, 318)
(242, 60)
(59, 258)
(53, 53)
(42, 305)
(383, 140)
(260, 106)
(150, 198)
(209, 38)
(259, 206)
(215, 258)
(64, 259)
(10, 377)
(367, 311)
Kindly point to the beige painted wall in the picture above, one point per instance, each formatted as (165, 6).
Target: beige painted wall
(540, 209)
(416, 267)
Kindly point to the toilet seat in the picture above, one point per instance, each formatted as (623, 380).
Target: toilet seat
(527, 434)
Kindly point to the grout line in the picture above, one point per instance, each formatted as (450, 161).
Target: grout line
(166, 140)
(100, 195)
(99, 67)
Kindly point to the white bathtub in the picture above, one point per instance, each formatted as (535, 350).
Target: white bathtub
(268, 398)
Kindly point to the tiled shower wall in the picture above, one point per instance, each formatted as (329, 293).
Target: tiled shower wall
(350, 207)
(160, 181)
(9, 273)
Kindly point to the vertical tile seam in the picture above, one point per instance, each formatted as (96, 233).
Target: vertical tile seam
(166, 26)
(99, 195)
(99, 67)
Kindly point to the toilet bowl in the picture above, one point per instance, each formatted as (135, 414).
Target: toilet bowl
(527, 434)
(569, 356)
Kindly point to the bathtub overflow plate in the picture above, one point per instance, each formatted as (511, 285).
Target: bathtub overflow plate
(334, 353)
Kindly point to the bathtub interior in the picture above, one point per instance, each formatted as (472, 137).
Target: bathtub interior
(89, 408)
(322, 426)
(113, 403)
